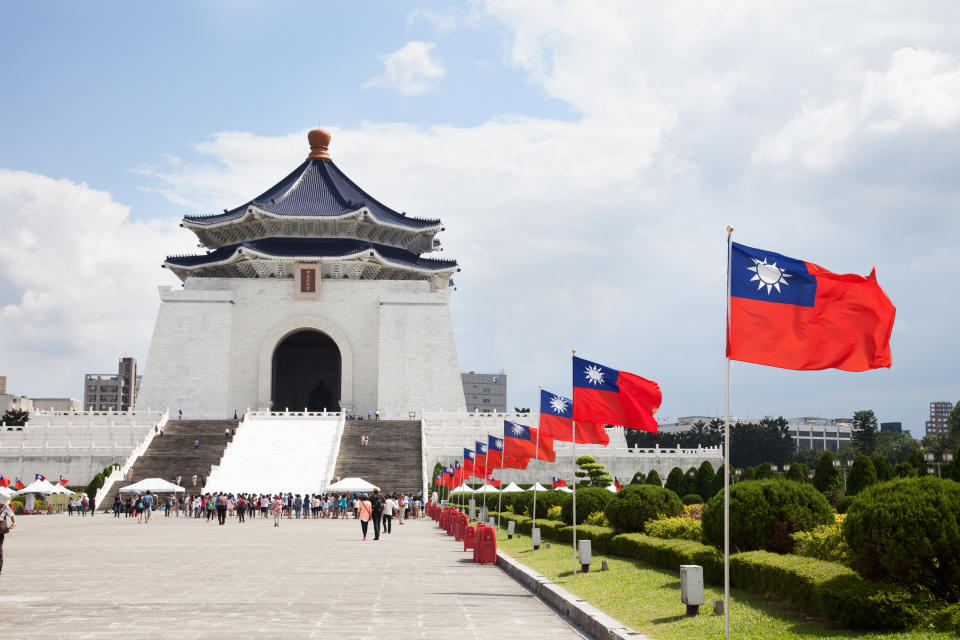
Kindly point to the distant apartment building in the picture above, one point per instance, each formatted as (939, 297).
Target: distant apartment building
(3, 385)
(891, 427)
(112, 391)
(937, 424)
(485, 392)
(819, 434)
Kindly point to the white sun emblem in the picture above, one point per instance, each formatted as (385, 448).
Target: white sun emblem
(483, 449)
(498, 443)
(769, 275)
(594, 374)
(517, 430)
(558, 404)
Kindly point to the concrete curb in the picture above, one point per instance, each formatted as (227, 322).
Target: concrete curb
(592, 620)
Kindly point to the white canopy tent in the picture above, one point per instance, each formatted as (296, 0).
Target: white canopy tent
(7, 491)
(351, 485)
(153, 485)
(565, 489)
(62, 489)
(462, 489)
(511, 488)
(487, 488)
(538, 487)
(37, 486)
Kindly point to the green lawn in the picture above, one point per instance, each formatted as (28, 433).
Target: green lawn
(648, 600)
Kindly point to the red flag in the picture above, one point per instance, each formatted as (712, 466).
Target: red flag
(559, 482)
(521, 441)
(793, 314)
(469, 468)
(63, 481)
(18, 485)
(556, 422)
(4, 481)
(616, 483)
(493, 481)
(480, 458)
(604, 395)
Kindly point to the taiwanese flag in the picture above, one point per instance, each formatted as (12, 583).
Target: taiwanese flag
(793, 314)
(616, 483)
(559, 482)
(436, 479)
(448, 477)
(457, 474)
(606, 396)
(480, 457)
(493, 481)
(556, 422)
(469, 467)
(18, 484)
(63, 481)
(521, 441)
(4, 481)
(495, 457)
(39, 476)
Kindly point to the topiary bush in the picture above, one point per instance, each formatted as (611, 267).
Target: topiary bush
(907, 531)
(674, 480)
(589, 499)
(827, 477)
(653, 478)
(883, 467)
(862, 475)
(763, 514)
(634, 506)
(798, 472)
(546, 500)
(692, 498)
(704, 480)
(905, 470)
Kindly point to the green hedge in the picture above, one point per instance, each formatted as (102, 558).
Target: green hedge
(669, 554)
(600, 536)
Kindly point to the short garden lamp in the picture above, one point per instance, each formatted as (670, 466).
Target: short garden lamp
(691, 587)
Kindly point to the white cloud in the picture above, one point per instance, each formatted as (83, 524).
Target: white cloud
(410, 70)
(78, 269)
(920, 88)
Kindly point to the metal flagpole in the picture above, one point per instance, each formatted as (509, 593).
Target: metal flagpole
(573, 428)
(726, 462)
(485, 479)
(534, 512)
(500, 498)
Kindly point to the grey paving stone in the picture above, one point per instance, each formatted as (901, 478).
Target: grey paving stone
(71, 577)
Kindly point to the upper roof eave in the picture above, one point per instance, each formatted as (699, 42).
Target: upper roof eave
(251, 210)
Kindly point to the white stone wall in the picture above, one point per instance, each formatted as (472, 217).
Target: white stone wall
(76, 445)
(445, 435)
(395, 338)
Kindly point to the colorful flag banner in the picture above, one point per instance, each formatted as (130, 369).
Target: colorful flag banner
(604, 395)
(556, 418)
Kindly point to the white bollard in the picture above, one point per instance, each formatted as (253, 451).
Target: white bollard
(535, 534)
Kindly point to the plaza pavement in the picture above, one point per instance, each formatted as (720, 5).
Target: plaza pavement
(73, 577)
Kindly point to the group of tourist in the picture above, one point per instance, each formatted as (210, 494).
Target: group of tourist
(221, 506)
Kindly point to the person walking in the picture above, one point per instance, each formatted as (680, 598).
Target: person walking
(377, 414)
(377, 502)
(388, 511)
(277, 510)
(221, 503)
(365, 512)
(196, 447)
(147, 506)
(6, 513)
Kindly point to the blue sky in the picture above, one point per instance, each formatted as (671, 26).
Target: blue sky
(585, 159)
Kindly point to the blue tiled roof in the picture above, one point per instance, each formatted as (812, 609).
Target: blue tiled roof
(313, 248)
(317, 188)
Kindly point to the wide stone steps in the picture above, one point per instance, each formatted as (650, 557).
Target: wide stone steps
(172, 454)
(393, 459)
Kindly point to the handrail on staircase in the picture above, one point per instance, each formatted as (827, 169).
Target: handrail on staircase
(131, 459)
(335, 453)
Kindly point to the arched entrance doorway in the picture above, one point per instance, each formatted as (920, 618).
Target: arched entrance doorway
(306, 373)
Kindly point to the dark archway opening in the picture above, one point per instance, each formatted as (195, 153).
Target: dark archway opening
(306, 373)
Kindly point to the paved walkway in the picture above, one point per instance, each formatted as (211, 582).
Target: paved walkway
(72, 577)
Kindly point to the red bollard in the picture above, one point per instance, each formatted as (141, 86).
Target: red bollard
(470, 538)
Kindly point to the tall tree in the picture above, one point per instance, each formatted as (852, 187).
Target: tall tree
(827, 477)
(862, 475)
(704, 481)
(675, 480)
(865, 432)
(15, 417)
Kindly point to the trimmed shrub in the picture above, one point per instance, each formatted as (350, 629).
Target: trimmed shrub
(674, 480)
(638, 478)
(689, 483)
(763, 514)
(883, 467)
(908, 531)
(843, 503)
(669, 554)
(705, 478)
(601, 536)
(749, 474)
(764, 471)
(549, 528)
(827, 477)
(676, 529)
(905, 470)
(633, 506)
(589, 499)
(653, 478)
(862, 475)
(546, 500)
(798, 472)
(692, 498)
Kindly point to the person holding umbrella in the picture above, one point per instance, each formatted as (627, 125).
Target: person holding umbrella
(5, 513)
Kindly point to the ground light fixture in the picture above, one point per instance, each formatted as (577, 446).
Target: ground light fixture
(511, 526)
(586, 555)
(535, 535)
(691, 587)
